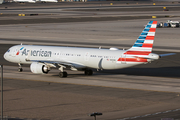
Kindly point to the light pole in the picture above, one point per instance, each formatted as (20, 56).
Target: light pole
(1, 66)
(95, 114)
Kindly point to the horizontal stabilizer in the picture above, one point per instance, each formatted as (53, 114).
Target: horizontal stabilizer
(167, 54)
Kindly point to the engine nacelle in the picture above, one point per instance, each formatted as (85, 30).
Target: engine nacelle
(39, 68)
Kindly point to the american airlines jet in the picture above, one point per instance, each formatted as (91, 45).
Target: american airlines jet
(42, 58)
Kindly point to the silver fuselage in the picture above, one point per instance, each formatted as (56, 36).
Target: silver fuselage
(79, 57)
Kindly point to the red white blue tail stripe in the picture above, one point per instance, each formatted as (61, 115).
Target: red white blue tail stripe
(143, 45)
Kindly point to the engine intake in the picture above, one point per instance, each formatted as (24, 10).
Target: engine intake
(39, 68)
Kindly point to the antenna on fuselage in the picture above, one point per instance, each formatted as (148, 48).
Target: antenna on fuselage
(99, 47)
(21, 43)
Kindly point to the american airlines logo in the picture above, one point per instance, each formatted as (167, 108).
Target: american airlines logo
(39, 53)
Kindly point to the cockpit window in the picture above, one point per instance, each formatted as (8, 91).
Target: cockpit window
(8, 51)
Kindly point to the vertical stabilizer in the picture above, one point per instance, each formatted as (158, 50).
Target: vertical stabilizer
(143, 45)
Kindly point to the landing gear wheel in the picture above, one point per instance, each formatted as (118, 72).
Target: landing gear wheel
(88, 72)
(20, 69)
(62, 74)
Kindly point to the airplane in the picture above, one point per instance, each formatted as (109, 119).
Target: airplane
(43, 58)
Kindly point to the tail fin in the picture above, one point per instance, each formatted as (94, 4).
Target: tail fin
(144, 43)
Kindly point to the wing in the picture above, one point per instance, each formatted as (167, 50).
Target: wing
(57, 64)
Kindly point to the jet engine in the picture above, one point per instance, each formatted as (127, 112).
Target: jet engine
(39, 68)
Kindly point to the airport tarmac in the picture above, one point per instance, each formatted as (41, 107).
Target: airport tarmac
(86, 13)
(58, 101)
(147, 91)
(90, 34)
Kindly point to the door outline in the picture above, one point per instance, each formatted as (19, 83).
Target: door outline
(123, 58)
(14, 51)
(86, 56)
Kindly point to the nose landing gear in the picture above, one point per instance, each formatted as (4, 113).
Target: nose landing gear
(20, 67)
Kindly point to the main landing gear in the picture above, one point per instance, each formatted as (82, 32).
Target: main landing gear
(88, 72)
(62, 73)
(20, 67)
